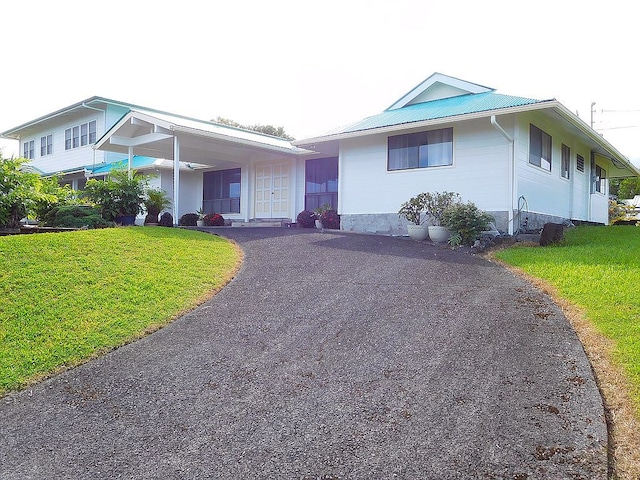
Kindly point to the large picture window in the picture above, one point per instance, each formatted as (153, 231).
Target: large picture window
(539, 148)
(321, 183)
(421, 150)
(221, 191)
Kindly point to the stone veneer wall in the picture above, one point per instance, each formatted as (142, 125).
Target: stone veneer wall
(391, 224)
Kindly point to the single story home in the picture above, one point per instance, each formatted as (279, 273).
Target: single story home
(525, 161)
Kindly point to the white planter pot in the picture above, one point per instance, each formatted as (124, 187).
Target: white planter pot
(200, 223)
(319, 224)
(417, 232)
(439, 234)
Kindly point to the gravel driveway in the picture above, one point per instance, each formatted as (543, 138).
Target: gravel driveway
(329, 356)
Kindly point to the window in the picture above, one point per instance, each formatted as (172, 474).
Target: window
(28, 149)
(46, 145)
(221, 191)
(580, 163)
(599, 179)
(80, 135)
(539, 148)
(566, 161)
(421, 150)
(321, 183)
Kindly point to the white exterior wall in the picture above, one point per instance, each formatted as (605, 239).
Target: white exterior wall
(547, 192)
(79, 157)
(480, 172)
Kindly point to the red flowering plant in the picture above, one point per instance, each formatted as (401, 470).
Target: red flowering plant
(306, 219)
(330, 219)
(213, 220)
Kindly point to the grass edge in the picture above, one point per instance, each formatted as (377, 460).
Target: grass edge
(38, 378)
(623, 425)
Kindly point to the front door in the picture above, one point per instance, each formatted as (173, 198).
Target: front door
(272, 191)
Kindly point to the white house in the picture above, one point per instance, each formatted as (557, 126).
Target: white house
(522, 160)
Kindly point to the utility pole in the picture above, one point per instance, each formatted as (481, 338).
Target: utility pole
(592, 110)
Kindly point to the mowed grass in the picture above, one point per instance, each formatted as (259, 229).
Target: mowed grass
(598, 270)
(65, 297)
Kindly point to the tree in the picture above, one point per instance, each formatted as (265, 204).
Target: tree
(22, 192)
(629, 187)
(266, 129)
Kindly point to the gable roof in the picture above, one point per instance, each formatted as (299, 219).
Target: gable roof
(436, 87)
(443, 108)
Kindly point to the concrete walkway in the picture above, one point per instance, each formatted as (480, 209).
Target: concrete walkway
(329, 356)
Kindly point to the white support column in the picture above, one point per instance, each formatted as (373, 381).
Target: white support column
(176, 179)
(130, 161)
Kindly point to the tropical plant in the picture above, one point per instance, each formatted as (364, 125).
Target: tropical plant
(20, 192)
(306, 219)
(156, 200)
(467, 220)
(121, 194)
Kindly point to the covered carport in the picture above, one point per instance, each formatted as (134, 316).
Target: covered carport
(272, 169)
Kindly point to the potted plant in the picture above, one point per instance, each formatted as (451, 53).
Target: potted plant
(156, 201)
(436, 205)
(201, 215)
(413, 210)
(321, 210)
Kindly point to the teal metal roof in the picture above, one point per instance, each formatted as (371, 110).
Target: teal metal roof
(437, 109)
(139, 161)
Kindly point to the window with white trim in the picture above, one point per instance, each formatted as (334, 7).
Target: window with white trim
(539, 148)
(28, 149)
(566, 161)
(580, 163)
(80, 135)
(420, 150)
(46, 145)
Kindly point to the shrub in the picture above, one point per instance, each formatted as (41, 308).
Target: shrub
(467, 220)
(166, 220)
(330, 219)
(213, 220)
(306, 219)
(120, 194)
(188, 220)
(75, 216)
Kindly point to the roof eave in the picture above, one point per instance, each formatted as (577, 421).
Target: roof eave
(294, 150)
(426, 123)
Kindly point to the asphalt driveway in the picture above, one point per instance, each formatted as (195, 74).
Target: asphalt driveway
(329, 356)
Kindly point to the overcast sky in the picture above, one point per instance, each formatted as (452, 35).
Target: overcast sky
(313, 66)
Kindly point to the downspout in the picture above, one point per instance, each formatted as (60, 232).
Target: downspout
(510, 162)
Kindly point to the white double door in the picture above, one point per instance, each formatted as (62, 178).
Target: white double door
(272, 191)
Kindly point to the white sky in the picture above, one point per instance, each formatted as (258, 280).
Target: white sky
(313, 66)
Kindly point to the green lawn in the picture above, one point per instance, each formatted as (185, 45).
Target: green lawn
(597, 269)
(65, 297)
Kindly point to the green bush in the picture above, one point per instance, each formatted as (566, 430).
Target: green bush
(75, 216)
(119, 195)
(467, 220)
(189, 220)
